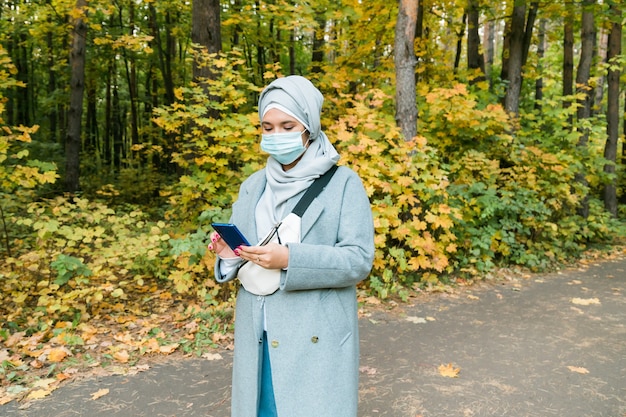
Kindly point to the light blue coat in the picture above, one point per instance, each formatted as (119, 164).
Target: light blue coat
(312, 322)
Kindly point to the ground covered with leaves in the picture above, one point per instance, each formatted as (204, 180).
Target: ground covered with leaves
(126, 338)
(133, 335)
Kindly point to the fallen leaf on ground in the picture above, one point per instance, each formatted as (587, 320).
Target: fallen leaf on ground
(372, 300)
(38, 394)
(449, 371)
(578, 369)
(212, 356)
(121, 356)
(100, 393)
(367, 370)
(416, 320)
(44, 383)
(5, 399)
(57, 355)
(473, 297)
(585, 301)
(578, 310)
(167, 349)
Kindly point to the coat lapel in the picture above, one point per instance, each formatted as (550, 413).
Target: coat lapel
(310, 216)
(252, 197)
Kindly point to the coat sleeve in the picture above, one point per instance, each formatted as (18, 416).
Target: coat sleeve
(339, 250)
(243, 216)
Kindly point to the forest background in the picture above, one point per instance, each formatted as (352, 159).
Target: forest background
(488, 135)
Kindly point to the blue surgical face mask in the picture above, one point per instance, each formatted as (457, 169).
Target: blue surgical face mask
(283, 147)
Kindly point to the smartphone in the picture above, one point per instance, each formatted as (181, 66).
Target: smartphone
(231, 234)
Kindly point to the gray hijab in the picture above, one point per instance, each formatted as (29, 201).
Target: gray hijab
(304, 101)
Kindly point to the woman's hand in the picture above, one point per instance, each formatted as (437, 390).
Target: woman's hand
(220, 247)
(270, 256)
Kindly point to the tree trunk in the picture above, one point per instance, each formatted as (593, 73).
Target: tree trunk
(516, 57)
(459, 43)
(528, 32)
(506, 44)
(541, 49)
(489, 42)
(53, 116)
(475, 59)
(568, 61)
(419, 31)
(162, 53)
(107, 145)
(75, 112)
(404, 57)
(131, 78)
(206, 31)
(583, 74)
(317, 58)
(612, 115)
(91, 118)
(600, 81)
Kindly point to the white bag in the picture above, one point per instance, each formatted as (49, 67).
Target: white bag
(261, 281)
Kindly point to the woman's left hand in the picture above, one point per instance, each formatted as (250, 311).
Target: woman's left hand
(270, 256)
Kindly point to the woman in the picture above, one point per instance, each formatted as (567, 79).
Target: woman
(297, 349)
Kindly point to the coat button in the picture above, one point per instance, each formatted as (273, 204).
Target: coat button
(315, 339)
(274, 343)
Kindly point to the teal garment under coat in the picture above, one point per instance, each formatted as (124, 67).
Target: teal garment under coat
(312, 323)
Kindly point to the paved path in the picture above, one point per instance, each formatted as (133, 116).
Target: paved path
(549, 345)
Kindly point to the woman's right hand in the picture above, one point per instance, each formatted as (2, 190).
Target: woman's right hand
(220, 247)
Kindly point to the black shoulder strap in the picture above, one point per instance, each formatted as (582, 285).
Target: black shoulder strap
(313, 191)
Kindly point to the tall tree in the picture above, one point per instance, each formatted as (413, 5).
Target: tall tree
(520, 36)
(405, 62)
(612, 115)
(459, 43)
(475, 58)
(489, 43)
(541, 50)
(583, 75)
(515, 57)
(75, 111)
(568, 59)
(130, 65)
(206, 32)
(319, 42)
(164, 50)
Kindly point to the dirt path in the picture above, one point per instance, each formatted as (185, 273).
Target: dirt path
(549, 345)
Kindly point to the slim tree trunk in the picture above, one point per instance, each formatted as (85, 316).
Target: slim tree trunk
(317, 58)
(541, 49)
(528, 31)
(163, 53)
(53, 116)
(568, 61)
(419, 30)
(475, 59)
(612, 115)
(404, 57)
(489, 42)
(603, 46)
(75, 112)
(516, 56)
(459, 43)
(583, 75)
(506, 46)
(131, 78)
(107, 145)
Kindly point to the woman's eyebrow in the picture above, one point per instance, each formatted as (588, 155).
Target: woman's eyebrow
(283, 122)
